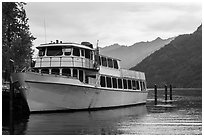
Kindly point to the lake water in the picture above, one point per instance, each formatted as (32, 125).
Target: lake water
(183, 116)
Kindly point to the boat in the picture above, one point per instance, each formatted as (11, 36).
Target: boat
(73, 76)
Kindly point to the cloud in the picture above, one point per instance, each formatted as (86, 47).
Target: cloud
(111, 22)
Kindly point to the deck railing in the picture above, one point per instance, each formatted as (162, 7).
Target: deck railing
(132, 74)
(64, 61)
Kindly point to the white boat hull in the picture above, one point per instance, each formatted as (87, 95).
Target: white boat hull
(51, 93)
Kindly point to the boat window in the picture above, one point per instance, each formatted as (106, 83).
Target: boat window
(144, 85)
(54, 51)
(129, 84)
(99, 60)
(67, 51)
(75, 73)
(124, 83)
(87, 53)
(45, 71)
(66, 72)
(55, 71)
(41, 52)
(114, 80)
(110, 63)
(76, 52)
(86, 79)
(103, 81)
(137, 85)
(82, 52)
(108, 81)
(81, 75)
(104, 61)
(91, 55)
(133, 85)
(141, 85)
(115, 63)
(120, 83)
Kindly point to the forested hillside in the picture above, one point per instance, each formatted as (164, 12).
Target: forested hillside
(178, 63)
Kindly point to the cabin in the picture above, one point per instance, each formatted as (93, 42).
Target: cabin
(83, 62)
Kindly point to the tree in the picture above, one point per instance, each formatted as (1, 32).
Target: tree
(16, 37)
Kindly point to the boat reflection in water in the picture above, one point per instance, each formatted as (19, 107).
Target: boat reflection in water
(85, 122)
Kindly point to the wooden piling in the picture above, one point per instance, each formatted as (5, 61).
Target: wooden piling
(155, 94)
(170, 92)
(166, 93)
(11, 129)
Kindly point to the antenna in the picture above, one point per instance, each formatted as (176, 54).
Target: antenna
(97, 48)
(45, 30)
(97, 44)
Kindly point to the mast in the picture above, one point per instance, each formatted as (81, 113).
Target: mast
(97, 56)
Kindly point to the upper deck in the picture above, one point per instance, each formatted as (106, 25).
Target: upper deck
(72, 55)
(82, 56)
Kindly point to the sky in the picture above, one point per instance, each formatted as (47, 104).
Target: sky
(124, 23)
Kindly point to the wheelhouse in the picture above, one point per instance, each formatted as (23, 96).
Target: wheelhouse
(65, 55)
(65, 50)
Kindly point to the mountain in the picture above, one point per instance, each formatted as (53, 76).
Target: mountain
(131, 55)
(178, 63)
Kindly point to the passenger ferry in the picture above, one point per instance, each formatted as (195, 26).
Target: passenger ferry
(71, 76)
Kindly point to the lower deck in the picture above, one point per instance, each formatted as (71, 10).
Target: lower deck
(94, 78)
